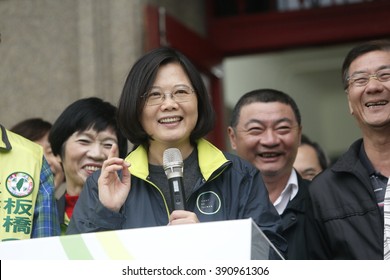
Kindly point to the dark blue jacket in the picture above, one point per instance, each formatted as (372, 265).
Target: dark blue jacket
(230, 188)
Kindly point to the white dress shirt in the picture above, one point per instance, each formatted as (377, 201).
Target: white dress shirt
(288, 193)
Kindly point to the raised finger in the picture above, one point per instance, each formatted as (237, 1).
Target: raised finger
(113, 151)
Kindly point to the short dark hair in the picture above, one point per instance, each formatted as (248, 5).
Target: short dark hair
(263, 96)
(82, 115)
(321, 155)
(141, 78)
(33, 129)
(359, 50)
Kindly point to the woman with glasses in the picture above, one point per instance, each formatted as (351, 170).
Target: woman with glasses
(164, 104)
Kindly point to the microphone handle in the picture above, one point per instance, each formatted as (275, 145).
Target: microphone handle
(177, 193)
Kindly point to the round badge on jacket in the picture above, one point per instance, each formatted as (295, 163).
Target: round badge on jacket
(208, 203)
(20, 184)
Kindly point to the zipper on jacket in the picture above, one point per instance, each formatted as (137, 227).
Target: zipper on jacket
(218, 172)
(162, 195)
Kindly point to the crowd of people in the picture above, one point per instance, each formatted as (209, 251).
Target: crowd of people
(78, 175)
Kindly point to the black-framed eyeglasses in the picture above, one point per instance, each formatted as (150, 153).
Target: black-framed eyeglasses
(362, 79)
(179, 94)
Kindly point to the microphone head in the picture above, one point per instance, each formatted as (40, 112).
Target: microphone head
(173, 163)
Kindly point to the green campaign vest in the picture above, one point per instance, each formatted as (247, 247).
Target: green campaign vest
(20, 169)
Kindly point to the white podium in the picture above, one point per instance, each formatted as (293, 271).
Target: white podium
(224, 240)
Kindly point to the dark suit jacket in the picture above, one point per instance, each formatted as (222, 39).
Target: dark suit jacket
(293, 221)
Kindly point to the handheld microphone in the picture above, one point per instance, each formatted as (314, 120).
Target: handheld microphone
(173, 167)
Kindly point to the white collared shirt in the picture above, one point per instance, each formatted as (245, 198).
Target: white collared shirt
(289, 192)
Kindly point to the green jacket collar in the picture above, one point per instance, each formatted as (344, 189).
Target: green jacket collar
(4, 142)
